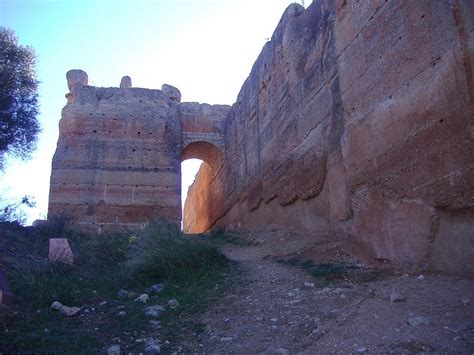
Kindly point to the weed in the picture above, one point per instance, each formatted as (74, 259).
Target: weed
(326, 271)
(192, 269)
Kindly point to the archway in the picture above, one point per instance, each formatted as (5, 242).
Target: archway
(204, 201)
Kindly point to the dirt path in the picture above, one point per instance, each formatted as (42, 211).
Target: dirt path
(270, 310)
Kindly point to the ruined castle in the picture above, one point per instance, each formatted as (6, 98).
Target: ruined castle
(356, 122)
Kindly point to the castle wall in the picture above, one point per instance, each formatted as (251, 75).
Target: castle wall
(116, 161)
(357, 121)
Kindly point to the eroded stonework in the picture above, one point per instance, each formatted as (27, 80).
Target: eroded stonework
(356, 122)
(118, 158)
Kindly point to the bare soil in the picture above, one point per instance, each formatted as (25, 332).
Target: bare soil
(270, 310)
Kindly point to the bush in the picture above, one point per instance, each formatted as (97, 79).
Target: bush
(161, 251)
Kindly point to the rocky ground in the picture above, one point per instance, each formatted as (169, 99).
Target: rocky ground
(276, 308)
(282, 294)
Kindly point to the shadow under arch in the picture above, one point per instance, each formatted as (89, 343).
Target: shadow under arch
(205, 199)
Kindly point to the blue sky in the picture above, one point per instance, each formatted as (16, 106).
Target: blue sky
(205, 48)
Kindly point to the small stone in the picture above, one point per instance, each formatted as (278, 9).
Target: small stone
(126, 295)
(361, 349)
(421, 278)
(154, 311)
(396, 296)
(309, 284)
(152, 349)
(173, 303)
(122, 313)
(465, 327)
(103, 303)
(227, 339)
(56, 305)
(151, 341)
(157, 288)
(113, 350)
(143, 298)
(465, 301)
(65, 310)
(155, 323)
(415, 321)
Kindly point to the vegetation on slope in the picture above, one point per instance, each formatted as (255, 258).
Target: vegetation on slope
(191, 270)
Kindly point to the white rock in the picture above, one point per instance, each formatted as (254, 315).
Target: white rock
(143, 298)
(56, 305)
(361, 349)
(465, 301)
(173, 303)
(113, 350)
(154, 311)
(65, 310)
(415, 321)
(122, 313)
(396, 296)
(309, 284)
(152, 349)
(227, 339)
(421, 278)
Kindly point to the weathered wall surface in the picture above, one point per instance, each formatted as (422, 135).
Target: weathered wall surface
(118, 158)
(205, 201)
(357, 121)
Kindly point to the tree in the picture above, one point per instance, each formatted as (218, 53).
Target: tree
(19, 126)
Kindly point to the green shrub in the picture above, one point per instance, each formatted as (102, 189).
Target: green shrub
(161, 251)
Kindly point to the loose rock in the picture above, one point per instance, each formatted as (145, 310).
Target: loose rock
(396, 296)
(157, 288)
(152, 349)
(113, 350)
(154, 311)
(143, 298)
(173, 303)
(309, 284)
(465, 327)
(465, 301)
(65, 310)
(126, 295)
(415, 321)
(361, 349)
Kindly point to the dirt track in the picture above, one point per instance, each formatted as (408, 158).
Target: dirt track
(270, 310)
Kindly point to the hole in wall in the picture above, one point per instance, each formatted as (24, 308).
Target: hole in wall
(189, 169)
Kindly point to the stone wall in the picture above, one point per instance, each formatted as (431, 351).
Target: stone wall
(118, 158)
(205, 202)
(357, 121)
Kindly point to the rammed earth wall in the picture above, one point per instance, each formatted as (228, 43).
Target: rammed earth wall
(356, 122)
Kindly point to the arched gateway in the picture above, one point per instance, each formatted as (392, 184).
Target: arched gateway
(119, 153)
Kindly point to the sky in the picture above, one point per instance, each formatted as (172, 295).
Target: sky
(205, 48)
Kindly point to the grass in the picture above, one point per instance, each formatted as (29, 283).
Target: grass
(222, 236)
(192, 270)
(329, 272)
